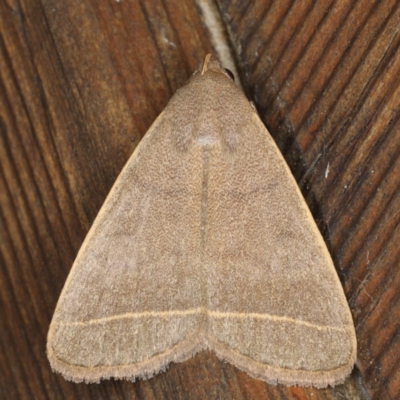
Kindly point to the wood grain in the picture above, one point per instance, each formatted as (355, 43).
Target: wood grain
(80, 83)
(325, 77)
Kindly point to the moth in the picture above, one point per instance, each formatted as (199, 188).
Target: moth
(204, 242)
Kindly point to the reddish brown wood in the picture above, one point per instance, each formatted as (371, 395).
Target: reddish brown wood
(80, 83)
(325, 77)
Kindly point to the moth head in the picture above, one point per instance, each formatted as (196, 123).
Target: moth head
(211, 63)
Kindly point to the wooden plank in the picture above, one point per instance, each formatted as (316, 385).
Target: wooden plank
(80, 84)
(325, 77)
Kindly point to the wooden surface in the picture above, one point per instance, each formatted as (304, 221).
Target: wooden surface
(81, 82)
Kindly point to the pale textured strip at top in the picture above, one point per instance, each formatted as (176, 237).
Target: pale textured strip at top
(202, 310)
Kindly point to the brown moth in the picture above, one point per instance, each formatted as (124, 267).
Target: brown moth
(204, 242)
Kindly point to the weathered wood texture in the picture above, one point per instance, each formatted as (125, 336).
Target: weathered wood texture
(325, 76)
(80, 83)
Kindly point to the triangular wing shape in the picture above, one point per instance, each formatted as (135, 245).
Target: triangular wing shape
(204, 242)
(276, 306)
(133, 301)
